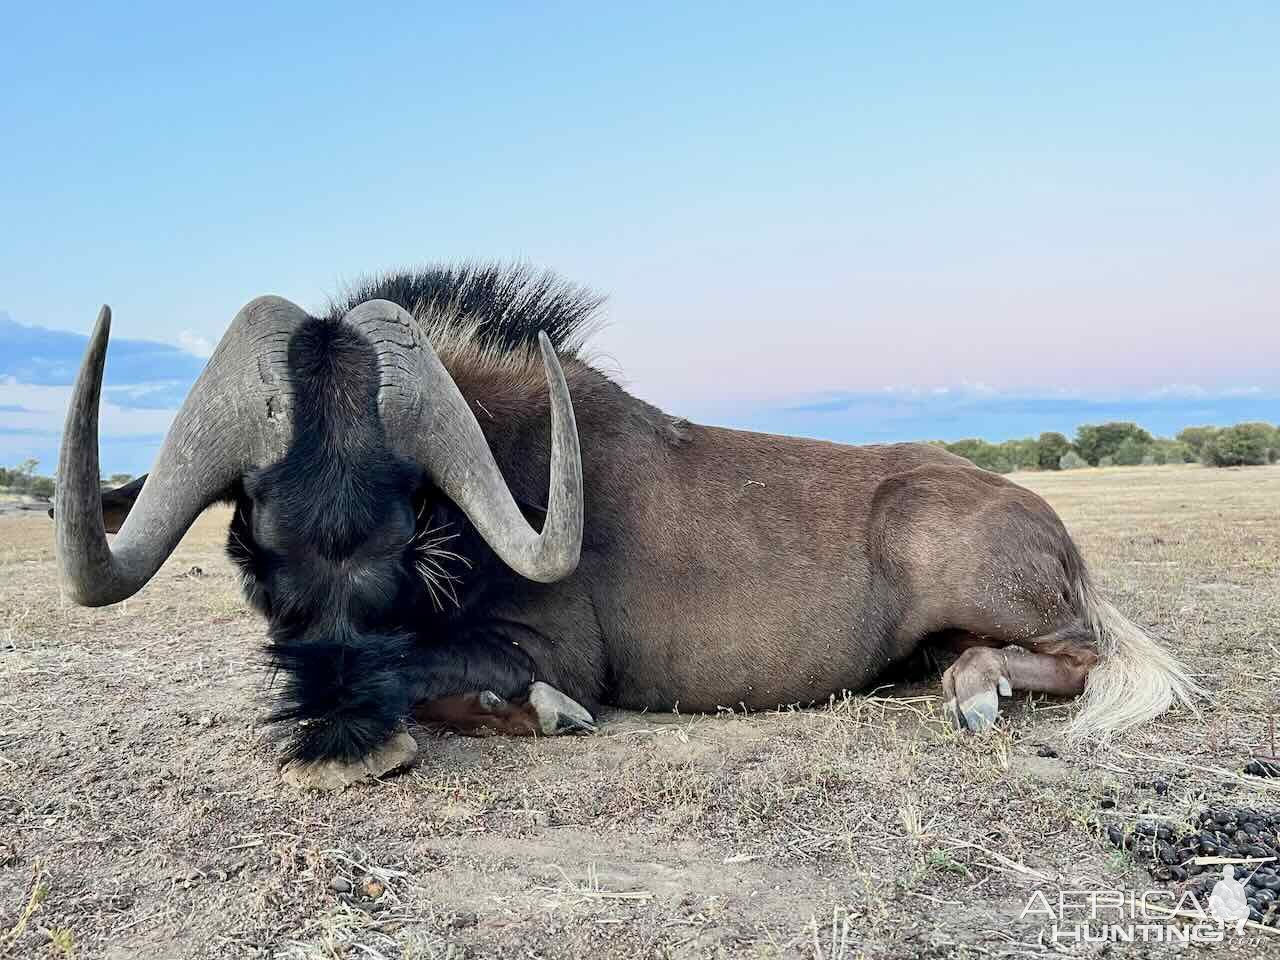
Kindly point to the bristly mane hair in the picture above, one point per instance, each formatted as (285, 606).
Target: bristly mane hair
(485, 310)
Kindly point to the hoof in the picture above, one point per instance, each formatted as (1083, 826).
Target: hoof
(490, 702)
(330, 775)
(558, 713)
(979, 712)
(972, 688)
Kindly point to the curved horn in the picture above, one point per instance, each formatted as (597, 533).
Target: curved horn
(234, 416)
(429, 422)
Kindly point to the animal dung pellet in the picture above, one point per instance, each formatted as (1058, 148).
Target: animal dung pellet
(1176, 853)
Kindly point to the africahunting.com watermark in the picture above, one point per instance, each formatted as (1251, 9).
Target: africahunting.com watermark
(1150, 916)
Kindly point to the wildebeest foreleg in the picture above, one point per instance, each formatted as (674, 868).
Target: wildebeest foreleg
(486, 686)
(543, 711)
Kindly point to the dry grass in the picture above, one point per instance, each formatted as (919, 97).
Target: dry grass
(140, 813)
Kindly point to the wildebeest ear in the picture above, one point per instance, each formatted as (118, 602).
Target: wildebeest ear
(117, 503)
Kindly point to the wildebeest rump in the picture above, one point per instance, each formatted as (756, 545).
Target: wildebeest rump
(707, 567)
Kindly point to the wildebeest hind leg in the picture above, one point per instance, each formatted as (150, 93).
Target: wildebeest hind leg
(1057, 663)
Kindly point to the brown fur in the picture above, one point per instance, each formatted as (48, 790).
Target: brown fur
(721, 568)
(725, 568)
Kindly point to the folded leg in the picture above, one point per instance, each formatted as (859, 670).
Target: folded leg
(482, 685)
(1057, 664)
(478, 685)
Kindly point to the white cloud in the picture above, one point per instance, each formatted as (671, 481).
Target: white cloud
(44, 408)
(1179, 390)
(194, 343)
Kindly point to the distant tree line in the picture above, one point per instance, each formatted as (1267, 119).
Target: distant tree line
(1126, 445)
(24, 479)
(1095, 445)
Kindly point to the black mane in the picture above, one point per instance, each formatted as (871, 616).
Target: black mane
(506, 304)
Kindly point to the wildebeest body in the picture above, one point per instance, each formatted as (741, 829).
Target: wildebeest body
(717, 568)
(721, 567)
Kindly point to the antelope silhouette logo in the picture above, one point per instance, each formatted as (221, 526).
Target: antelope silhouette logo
(1227, 901)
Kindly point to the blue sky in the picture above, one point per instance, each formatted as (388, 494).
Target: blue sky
(865, 223)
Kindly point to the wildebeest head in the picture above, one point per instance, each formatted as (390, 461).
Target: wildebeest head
(324, 432)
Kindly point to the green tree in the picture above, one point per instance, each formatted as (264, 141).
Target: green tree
(1273, 452)
(1172, 451)
(21, 476)
(1072, 461)
(1023, 454)
(1096, 441)
(1244, 445)
(1131, 452)
(1053, 447)
(986, 455)
(1196, 437)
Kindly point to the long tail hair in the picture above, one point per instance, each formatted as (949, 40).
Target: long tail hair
(1136, 679)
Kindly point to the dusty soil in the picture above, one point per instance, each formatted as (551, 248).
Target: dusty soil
(141, 812)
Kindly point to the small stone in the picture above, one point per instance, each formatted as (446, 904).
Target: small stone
(371, 889)
(1046, 751)
(1106, 803)
(340, 885)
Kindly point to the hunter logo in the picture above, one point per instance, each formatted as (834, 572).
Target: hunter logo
(1152, 916)
(1227, 901)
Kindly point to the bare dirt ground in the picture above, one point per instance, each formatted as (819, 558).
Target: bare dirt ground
(141, 813)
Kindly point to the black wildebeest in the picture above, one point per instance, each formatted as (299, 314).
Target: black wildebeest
(427, 529)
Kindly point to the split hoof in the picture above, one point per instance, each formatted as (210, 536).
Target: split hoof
(972, 688)
(331, 775)
(980, 712)
(557, 713)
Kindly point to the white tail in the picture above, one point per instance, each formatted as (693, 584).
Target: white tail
(1137, 678)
